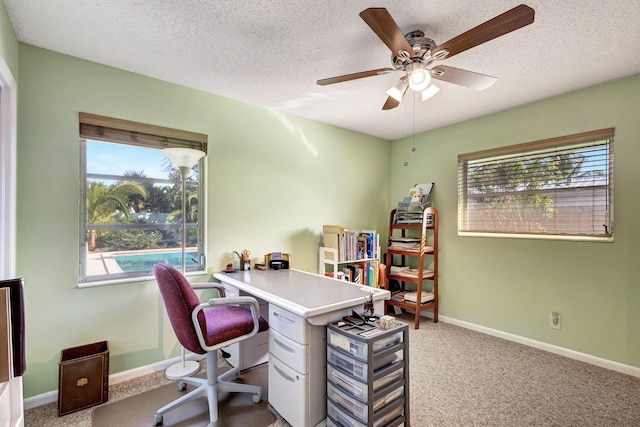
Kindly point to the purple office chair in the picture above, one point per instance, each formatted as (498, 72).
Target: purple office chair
(204, 328)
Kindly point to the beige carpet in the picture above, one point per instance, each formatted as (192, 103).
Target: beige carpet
(235, 409)
(458, 378)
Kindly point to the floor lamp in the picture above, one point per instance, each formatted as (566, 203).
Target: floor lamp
(184, 159)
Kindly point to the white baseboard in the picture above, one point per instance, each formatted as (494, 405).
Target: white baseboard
(52, 396)
(593, 360)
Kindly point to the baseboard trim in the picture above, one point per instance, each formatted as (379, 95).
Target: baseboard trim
(576, 355)
(52, 396)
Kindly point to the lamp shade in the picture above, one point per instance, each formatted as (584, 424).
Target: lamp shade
(429, 92)
(419, 79)
(398, 90)
(183, 157)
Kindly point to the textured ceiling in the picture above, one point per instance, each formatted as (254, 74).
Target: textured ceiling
(270, 53)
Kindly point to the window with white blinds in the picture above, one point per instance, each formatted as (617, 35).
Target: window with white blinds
(131, 201)
(557, 188)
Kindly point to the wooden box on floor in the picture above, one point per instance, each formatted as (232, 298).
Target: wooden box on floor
(83, 377)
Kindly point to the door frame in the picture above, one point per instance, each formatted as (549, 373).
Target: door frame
(8, 172)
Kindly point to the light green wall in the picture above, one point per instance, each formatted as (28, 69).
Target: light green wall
(512, 285)
(272, 181)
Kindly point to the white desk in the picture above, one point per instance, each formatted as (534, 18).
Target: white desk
(300, 306)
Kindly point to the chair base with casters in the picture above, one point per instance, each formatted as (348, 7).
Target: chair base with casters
(211, 388)
(204, 328)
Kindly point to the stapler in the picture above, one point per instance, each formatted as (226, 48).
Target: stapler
(278, 261)
(281, 264)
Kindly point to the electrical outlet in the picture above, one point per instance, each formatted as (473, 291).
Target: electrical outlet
(554, 320)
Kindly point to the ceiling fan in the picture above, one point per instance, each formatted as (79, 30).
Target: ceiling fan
(413, 53)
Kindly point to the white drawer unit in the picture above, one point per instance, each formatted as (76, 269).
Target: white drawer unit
(288, 391)
(288, 351)
(367, 375)
(288, 324)
(297, 368)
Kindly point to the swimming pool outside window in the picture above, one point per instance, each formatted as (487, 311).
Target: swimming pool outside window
(131, 201)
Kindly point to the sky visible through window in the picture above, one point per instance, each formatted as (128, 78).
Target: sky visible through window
(116, 159)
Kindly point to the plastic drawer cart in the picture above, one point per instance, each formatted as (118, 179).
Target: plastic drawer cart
(367, 375)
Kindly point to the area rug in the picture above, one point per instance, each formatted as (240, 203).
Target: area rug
(234, 409)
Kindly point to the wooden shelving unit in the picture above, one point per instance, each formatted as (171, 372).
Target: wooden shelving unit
(414, 244)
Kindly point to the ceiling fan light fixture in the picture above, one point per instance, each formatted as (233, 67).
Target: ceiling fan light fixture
(398, 90)
(419, 79)
(429, 92)
(404, 55)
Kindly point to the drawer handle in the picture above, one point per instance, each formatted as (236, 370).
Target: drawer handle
(283, 374)
(284, 319)
(284, 346)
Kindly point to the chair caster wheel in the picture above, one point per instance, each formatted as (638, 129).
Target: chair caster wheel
(256, 398)
(182, 386)
(157, 419)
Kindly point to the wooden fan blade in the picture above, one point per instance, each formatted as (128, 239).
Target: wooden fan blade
(354, 76)
(391, 103)
(511, 20)
(381, 22)
(461, 77)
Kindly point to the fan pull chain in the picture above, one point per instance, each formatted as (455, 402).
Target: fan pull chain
(405, 154)
(414, 122)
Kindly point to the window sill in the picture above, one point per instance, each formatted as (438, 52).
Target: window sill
(93, 284)
(607, 239)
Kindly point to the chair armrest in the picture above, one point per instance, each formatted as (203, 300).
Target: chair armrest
(209, 285)
(247, 301)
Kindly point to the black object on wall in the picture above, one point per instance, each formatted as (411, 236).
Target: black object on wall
(16, 295)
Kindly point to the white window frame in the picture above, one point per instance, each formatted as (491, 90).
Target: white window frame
(109, 130)
(520, 152)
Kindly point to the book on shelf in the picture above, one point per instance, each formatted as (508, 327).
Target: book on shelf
(351, 245)
(397, 269)
(410, 247)
(366, 273)
(331, 236)
(410, 272)
(412, 297)
(336, 275)
(414, 273)
(399, 239)
(372, 243)
(425, 297)
(404, 245)
(398, 296)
